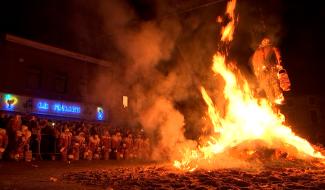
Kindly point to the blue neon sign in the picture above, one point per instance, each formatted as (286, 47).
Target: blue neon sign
(10, 101)
(66, 108)
(57, 108)
(25, 104)
(42, 106)
(100, 113)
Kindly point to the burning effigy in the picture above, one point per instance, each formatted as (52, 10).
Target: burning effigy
(269, 71)
(251, 126)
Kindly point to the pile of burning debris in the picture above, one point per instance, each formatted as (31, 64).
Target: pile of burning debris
(289, 175)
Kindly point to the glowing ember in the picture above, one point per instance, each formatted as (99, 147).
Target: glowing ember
(246, 118)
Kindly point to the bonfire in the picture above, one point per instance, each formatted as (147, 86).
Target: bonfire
(251, 127)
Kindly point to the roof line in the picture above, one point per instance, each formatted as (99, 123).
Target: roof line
(55, 50)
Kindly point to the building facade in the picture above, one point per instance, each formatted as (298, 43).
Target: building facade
(39, 71)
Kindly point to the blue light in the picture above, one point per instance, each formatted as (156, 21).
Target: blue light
(10, 102)
(42, 106)
(57, 107)
(100, 113)
(65, 108)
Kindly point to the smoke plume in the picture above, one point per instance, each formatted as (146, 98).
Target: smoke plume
(152, 88)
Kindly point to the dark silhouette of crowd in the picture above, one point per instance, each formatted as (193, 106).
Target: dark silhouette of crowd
(30, 138)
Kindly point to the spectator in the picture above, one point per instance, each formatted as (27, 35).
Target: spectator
(137, 147)
(3, 141)
(3, 120)
(78, 145)
(127, 147)
(64, 143)
(94, 146)
(22, 143)
(106, 144)
(35, 138)
(68, 139)
(116, 145)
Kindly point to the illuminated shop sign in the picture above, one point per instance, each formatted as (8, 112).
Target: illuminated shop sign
(100, 113)
(30, 105)
(10, 102)
(66, 108)
(55, 107)
(42, 106)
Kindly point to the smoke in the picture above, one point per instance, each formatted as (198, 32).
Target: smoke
(259, 21)
(166, 124)
(161, 87)
(140, 73)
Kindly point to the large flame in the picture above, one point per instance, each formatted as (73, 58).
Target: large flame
(246, 118)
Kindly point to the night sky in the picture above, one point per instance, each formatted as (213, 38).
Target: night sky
(55, 22)
(303, 44)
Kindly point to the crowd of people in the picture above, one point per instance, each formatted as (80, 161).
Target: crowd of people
(32, 138)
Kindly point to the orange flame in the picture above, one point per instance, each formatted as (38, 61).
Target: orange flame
(228, 30)
(247, 118)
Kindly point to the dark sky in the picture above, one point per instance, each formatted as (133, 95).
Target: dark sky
(303, 44)
(54, 22)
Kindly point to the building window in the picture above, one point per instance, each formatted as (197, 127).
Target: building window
(60, 83)
(33, 78)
